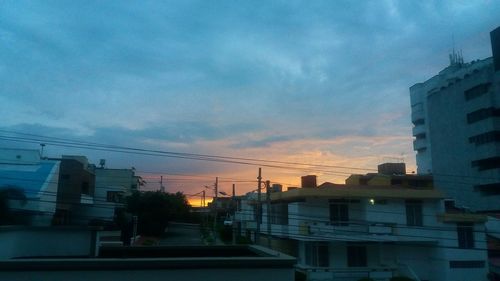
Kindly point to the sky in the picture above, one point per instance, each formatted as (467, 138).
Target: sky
(322, 82)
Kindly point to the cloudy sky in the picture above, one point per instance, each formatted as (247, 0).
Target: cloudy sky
(322, 82)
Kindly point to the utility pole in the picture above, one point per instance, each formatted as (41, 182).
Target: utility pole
(233, 214)
(162, 188)
(203, 199)
(214, 203)
(259, 207)
(268, 206)
(134, 229)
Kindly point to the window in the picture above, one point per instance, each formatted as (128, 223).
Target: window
(317, 254)
(356, 256)
(279, 213)
(482, 114)
(487, 163)
(493, 136)
(85, 188)
(477, 91)
(339, 212)
(414, 212)
(114, 196)
(467, 264)
(465, 233)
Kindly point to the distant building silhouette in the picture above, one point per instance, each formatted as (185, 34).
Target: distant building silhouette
(456, 118)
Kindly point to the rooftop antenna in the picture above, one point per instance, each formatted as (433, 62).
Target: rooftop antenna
(456, 58)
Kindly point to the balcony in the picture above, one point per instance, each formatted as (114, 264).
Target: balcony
(362, 231)
(416, 115)
(419, 129)
(419, 144)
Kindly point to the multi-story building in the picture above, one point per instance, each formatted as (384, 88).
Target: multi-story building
(33, 182)
(377, 226)
(456, 118)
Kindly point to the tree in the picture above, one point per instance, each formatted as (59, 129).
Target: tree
(155, 209)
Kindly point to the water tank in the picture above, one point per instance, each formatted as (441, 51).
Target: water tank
(309, 181)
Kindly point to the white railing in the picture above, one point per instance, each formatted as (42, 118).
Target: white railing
(352, 228)
(348, 274)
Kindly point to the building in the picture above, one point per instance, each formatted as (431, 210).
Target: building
(377, 226)
(36, 179)
(456, 118)
(111, 188)
(75, 191)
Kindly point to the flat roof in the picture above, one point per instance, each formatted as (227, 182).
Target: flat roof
(159, 257)
(358, 191)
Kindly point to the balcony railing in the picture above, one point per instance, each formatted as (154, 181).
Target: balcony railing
(351, 229)
(348, 274)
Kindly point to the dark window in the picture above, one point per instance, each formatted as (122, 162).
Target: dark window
(467, 264)
(489, 189)
(85, 188)
(356, 256)
(493, 136)
(465, 233)
(414, 212)
(114, 196)
(417, 183)
(481, 114)
(317, 254)
(477, 91)
(279, 213)
(487, 164)
(339, 213)
(419, 122)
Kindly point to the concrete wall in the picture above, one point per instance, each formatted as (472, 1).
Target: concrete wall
(22, 241)
(241, 274)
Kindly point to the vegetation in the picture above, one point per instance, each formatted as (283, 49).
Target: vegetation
(7, 215)
(366, 279)
(155, 209)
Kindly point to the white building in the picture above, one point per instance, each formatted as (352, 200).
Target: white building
(456, 118)
(347, 232)
(23, 170)
(111, 188)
